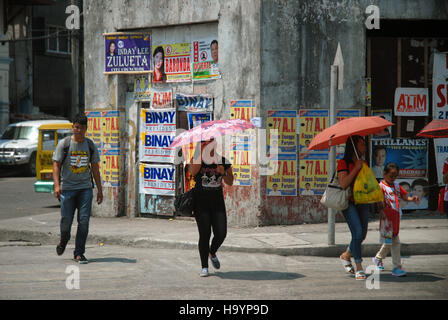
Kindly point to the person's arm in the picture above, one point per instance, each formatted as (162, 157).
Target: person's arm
(57, 183)
(97, 178)
(346, 179)
(228, 176)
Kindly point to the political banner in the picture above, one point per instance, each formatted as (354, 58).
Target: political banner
(312, 122)
(313, 173)
(157, 132)
(441, 150)
(414, 187)
(411, 156)
(284, 181)
(110, 168)
(197, 118)
(194, 103)
(172, 62)
(127, 53)
(411, 102)
(142, 88)
(285, 122)
(94, 127)
(440, 86)
(111, 129)
(161, 98)
(385, 114)
(161, 121)
(241, 143)
(204, 57)
(157, 179)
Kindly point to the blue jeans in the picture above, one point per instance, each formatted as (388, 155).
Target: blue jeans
(357, 217)
(70, 201)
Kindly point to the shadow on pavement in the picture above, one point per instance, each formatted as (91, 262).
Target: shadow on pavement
(258, 275)
(122, 260)
(412, 277)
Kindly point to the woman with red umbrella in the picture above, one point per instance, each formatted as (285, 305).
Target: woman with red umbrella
(209, 170)
(356, 215)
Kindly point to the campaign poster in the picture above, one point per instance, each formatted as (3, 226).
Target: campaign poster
(411, 102)
(161, 98)
(385, 114)
(411, 156)
(110, 168)
(157, 132)
(241, 143)
(171, 62)
(414, 187)
(127, 53)
(197, 118)
(440, 86)
(368, 92)
(194, 103)
(313, 173)
(157, 179)
(142, 88)
(441, 149)
(285, 123)
(111, 129)
(311, 123)
(94, 127)
(204, 57)
(284, 181)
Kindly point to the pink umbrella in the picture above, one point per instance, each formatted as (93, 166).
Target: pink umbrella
(210, 130)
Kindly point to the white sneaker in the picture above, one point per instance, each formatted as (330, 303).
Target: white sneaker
(204, 272)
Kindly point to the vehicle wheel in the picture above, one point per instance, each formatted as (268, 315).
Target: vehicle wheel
(31, 166)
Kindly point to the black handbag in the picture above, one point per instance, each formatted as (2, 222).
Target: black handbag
(184, 203)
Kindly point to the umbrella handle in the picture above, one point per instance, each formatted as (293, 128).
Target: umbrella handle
(354, 148)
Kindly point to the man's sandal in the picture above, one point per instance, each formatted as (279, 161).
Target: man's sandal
(347, 264)
(360, 275)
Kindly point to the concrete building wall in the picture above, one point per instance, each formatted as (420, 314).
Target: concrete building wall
(4, 71)
(237, 24)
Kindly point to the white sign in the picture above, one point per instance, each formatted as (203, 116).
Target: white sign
(411, 102)
(440, 86)
(157, 179)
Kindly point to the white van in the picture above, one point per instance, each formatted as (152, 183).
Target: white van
(18, 144)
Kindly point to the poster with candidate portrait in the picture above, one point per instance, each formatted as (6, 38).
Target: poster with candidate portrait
(127, 53)
(411, 156)
(110, 168)
(414, 187)
(385, 114)
(157, 179)
(284, 181)
(197, 118)
(440, 86)
(313, 177)
(142, 88)
(94, 127)
(204, 57)
(441, 150)
(110, 121)
(282, 126)
(171, 62)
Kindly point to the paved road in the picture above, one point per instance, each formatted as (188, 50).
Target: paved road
(115, 272)
(18, 199)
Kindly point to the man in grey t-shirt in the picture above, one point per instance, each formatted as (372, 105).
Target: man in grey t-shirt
(75, 159)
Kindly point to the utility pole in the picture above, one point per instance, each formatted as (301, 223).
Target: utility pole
(336, 76)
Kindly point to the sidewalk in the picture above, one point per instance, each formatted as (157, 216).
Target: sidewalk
(419, 236)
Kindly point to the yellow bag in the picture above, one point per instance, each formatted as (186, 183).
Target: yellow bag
(366, 188)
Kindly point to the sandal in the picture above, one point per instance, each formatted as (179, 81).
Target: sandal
(360, 275)
(347, 264)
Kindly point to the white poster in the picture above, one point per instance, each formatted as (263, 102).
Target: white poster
(157, 179)
(411, 102)
(440, 86)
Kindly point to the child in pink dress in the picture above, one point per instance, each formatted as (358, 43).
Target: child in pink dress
(390, 214)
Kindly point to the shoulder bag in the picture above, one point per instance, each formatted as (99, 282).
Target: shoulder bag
(334, 196)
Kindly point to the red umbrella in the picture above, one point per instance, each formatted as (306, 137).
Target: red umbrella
(435, 129)
(339, 132)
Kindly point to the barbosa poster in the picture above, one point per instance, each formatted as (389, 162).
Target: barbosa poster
(157, 132)
(157, 179)
(171, 62)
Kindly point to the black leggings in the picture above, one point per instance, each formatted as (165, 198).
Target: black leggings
(210, 213)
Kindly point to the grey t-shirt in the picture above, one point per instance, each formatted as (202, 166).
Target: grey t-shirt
(75, 171)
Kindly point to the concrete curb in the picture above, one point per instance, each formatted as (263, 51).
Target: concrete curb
(369, 249)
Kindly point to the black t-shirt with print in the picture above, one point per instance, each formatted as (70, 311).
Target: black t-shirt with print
(208, 178)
